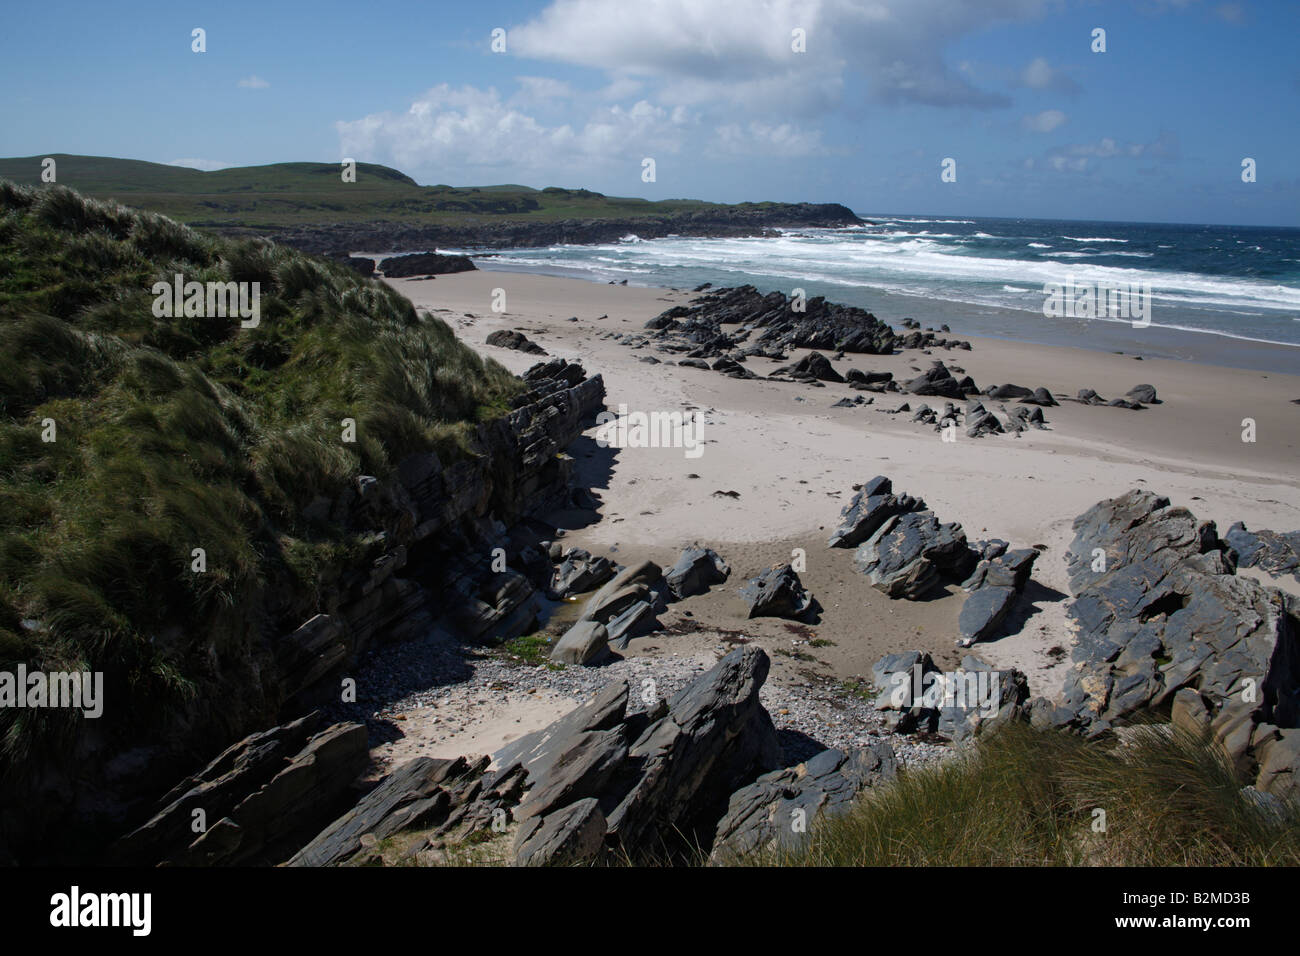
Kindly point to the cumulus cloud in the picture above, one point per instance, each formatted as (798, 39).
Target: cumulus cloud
(721, 78)
(465, 129)
(253, 83)
(741, 50)
(1044, 122)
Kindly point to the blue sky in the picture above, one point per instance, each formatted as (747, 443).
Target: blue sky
(1153, 129)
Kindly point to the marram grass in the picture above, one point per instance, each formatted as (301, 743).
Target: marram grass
(172, 434)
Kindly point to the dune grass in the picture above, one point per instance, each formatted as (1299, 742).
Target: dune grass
(1024, 797)
(171, 434)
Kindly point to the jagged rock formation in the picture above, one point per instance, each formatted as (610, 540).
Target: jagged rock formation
(869, 508)
(1159, 609)
(697, 328)
(254, 799)
(1275, 552)
(777, 810)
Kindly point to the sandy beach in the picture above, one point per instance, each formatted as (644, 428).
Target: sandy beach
(793, 460)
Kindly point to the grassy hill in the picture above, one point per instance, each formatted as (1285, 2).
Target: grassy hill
(294, 194)
(176, 433)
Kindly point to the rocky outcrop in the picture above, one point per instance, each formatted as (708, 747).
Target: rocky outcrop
(778, 809)
(918, 698)
(912, 553)
(775, 320)
(450, 797)
(425, 264)
(660, 778)
(255, 798)
(1158, 609)
(869, 508)
(994, 587)
(1275, 552)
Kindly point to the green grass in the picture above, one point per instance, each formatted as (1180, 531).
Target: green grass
(1023, 797)
(288, 194)
(533, 649)
(179, 433)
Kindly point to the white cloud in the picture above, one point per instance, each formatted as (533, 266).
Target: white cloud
(1077, 157)
(1044, 122)
(740, 50)
(1040, 75)
(253, 83)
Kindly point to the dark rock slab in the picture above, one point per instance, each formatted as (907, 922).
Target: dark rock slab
(777, 810)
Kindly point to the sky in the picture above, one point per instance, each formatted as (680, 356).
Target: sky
(1037, 123)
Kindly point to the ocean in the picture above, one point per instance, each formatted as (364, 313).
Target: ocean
(986, 277)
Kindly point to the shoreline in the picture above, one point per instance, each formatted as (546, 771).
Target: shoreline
(1222, 349)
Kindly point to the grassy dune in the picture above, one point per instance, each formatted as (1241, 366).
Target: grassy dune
(180, 433)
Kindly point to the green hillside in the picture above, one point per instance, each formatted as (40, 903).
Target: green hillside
(289, 194)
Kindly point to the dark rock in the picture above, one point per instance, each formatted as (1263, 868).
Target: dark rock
(867, 511)
(1157, 609)
(425, 264)
(571, 836)
(1276, 552)
(983, 613)
(777, 592)
(1142, 394)
(510, 339)
(695, 571)
(908, 554)
(777, 810)
(583, 643)
(257, 797)
(937, 380)
(415, 794)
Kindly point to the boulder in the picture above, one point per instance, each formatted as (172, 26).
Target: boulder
(777, 592)
(777, 810)
(982, 614)
(695, 571)
(908, 554)
(510, 339)
(868, 509)
(583, 643)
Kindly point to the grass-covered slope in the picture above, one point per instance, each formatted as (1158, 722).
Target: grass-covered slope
(172, 434)
(283, 195)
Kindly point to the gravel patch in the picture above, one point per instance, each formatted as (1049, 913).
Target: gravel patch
(437, 672)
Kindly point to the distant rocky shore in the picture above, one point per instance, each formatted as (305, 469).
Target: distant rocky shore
(334, 239)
